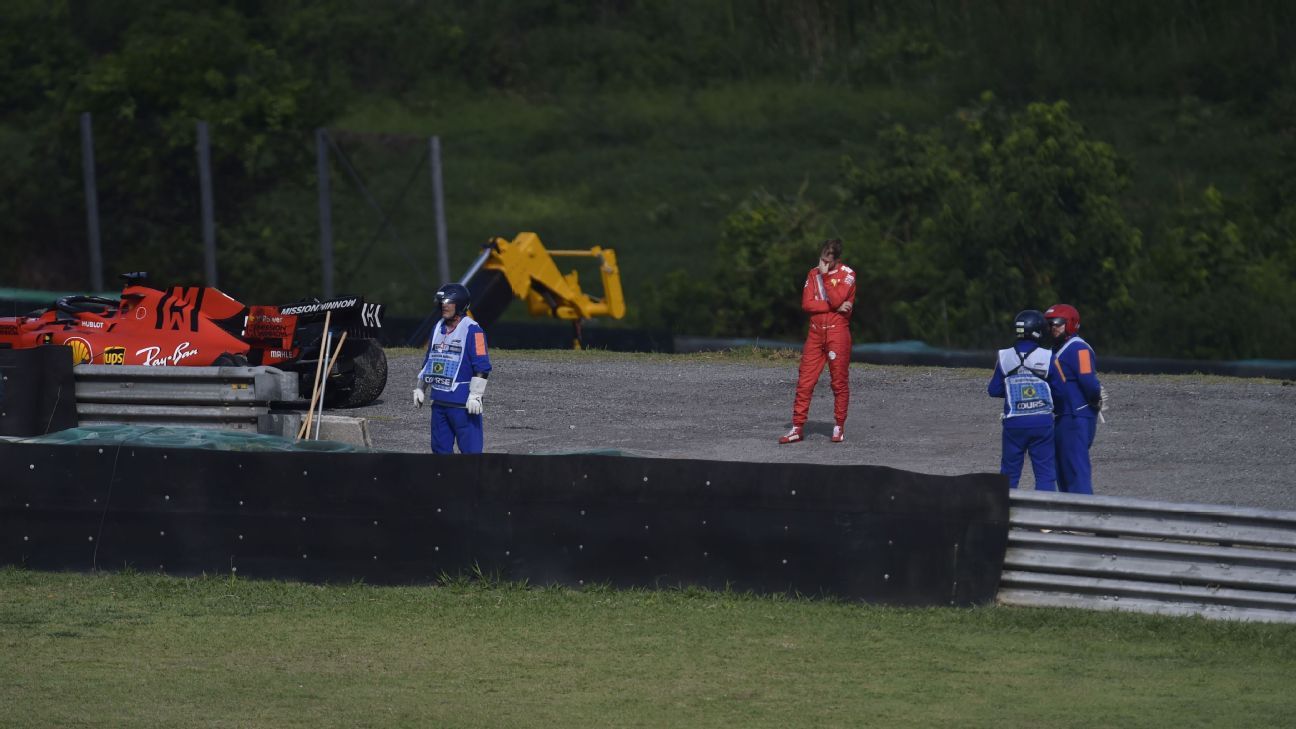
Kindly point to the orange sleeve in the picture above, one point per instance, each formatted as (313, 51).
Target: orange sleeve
(1086, 364)
(479, 343)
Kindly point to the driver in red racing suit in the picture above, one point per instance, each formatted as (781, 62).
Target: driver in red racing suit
(828, 297)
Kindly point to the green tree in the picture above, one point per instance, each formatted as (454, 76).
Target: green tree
(1016, 210)
(170, 71)
(752, 286)
(1220, 283)
(765, 248)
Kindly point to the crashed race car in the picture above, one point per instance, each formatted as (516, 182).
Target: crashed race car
(199, 327)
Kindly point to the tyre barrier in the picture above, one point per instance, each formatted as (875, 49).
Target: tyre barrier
(856, 532)
(861, 532)
(37, 391)
(1109, 553)
(232, 398)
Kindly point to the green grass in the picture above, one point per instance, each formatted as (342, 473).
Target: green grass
(148, 650)
(653, 174)
(650, 174)
(1177, 147)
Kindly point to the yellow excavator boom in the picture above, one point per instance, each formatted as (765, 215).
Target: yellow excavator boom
(534, 277)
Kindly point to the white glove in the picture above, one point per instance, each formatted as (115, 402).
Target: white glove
(1103, 405)
(418, 397)
(476, 388)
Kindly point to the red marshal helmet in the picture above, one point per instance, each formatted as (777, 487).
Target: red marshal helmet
(1065, 313)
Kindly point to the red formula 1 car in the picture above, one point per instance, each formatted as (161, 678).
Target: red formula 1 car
(196, 326)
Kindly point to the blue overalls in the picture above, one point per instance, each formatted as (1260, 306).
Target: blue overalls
(1025, 378)
(1077, 421)
(445, 372)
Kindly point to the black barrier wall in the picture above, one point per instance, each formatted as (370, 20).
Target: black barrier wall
(860, 532)
(37, 391)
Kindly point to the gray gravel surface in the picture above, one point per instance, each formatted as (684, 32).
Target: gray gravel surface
(1183, 438)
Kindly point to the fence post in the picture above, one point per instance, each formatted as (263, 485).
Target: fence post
(325, 210)
(438, 204)
(208, 205)
(92, 202)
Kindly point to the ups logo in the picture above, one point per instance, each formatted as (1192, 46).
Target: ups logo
(114, 356)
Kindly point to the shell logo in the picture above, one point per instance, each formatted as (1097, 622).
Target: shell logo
(81, 352)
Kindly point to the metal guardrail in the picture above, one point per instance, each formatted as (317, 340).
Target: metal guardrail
(232, 398)
(1111, 553)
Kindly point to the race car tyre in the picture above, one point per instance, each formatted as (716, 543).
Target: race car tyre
(230, 360)
(368, 369)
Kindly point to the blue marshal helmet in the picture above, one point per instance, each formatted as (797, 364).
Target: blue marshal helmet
(1029, 325)
(457, 294)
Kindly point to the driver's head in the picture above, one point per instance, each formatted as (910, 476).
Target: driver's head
(830, 252)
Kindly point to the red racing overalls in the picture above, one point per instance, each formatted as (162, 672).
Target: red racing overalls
(829, 340)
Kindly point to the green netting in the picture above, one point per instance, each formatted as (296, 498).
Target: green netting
(165, 436)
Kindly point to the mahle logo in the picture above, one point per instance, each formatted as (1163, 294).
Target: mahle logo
(114, 356)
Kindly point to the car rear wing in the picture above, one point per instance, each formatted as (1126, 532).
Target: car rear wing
(351, 313)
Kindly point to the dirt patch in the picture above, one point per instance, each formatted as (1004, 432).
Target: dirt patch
(1180, 438)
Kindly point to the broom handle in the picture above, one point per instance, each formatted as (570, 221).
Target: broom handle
(305, 426)
(323, 383)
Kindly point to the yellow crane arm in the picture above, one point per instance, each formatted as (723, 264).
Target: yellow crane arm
(534, 277)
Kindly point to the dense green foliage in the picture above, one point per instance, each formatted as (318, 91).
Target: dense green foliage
(131, 649)
(713, 143)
